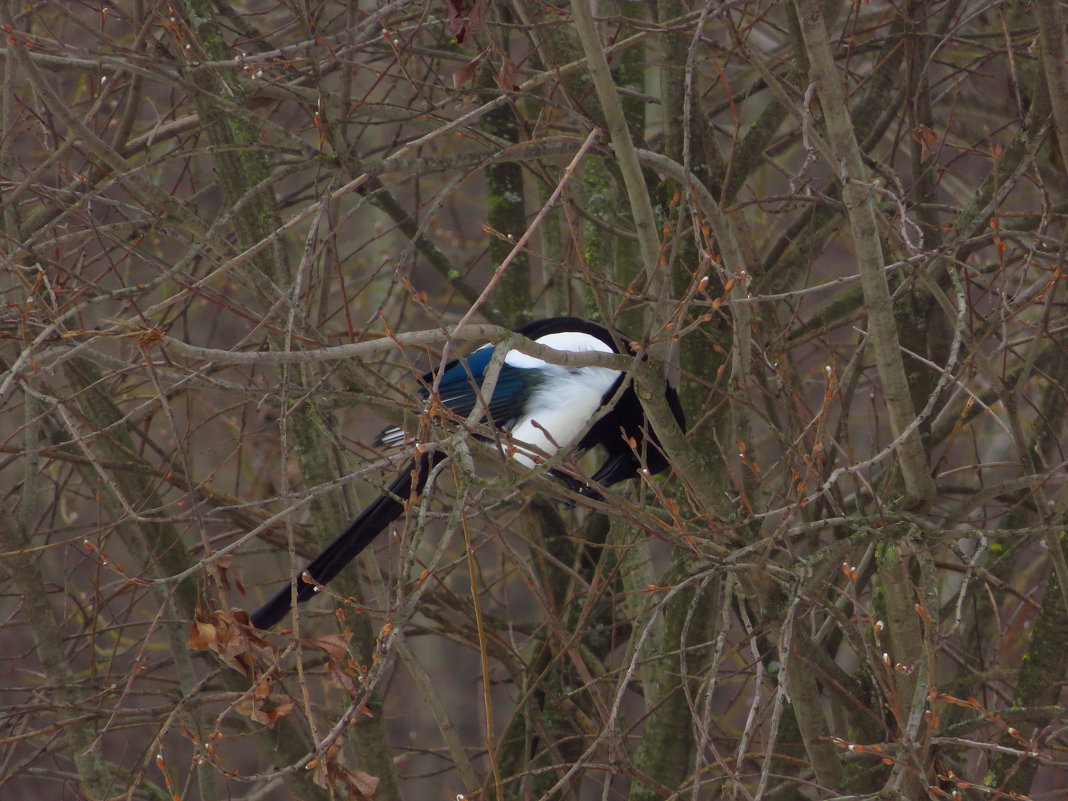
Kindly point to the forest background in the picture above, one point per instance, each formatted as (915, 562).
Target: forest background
(235, 233)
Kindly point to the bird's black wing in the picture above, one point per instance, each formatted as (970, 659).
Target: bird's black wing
(628, 439)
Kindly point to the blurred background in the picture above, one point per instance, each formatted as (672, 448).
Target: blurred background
(838, 228)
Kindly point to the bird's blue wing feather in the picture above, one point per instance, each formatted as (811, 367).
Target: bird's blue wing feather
(461, 379)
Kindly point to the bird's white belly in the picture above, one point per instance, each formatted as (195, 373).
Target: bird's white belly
(561, 409)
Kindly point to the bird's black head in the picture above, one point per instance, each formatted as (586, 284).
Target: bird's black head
(577, 325)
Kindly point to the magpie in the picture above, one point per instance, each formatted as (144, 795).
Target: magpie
(543, 407)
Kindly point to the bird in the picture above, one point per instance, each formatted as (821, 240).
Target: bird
(543, 407)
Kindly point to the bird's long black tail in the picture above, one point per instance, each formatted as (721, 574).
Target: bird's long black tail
(347, 546)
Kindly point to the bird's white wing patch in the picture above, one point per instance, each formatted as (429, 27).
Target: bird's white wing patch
(561, 405)
(568, 341)
(564, 401)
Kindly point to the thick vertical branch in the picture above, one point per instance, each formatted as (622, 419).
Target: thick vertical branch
(1043, 670)
(159, 548)
(1039, 684)
(859, 202)
(666, 751)
(657, 282)
(245, 171)
(1050, 18)
(506, 214)
(79, 738)
(807, 706)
